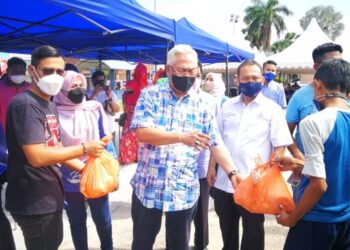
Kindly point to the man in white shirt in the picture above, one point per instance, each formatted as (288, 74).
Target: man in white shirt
(252, 127)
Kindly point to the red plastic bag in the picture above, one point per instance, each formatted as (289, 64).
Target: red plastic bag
(264, 191)
(100, 175)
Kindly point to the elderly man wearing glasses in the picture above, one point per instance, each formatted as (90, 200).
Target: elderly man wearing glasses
(173, 125)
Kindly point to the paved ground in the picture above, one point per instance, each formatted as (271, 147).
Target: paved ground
(120, 202)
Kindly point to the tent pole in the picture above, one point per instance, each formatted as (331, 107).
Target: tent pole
(99, 60)
(93, 22)
(227, 79)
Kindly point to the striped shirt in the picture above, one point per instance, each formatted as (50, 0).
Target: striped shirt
(167, 175)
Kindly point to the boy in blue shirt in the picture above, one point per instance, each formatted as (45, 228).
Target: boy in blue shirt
(321, 219)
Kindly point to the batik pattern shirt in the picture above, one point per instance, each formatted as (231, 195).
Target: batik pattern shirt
(167, 175)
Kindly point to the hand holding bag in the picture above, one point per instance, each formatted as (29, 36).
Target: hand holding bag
(264, 191)
(100, 175)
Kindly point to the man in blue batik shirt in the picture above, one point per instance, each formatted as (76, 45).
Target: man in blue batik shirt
(172, 124)
(321, 219)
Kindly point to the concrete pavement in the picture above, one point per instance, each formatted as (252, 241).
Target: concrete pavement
(120, 203)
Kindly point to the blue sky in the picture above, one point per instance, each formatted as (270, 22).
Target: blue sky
(214, 15)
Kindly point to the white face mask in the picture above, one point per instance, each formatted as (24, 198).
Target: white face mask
(50, 84)
(208, 85)
(18, 79)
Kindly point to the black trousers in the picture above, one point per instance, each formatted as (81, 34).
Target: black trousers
(253, 237)
(6, 237)
(201, 233)
(41, 232)
(147, 223)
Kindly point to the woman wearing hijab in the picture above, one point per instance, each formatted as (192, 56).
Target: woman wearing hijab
(128, 142)
(214, 85)
(80, 121)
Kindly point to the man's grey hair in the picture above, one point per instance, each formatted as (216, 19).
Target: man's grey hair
(181, 49)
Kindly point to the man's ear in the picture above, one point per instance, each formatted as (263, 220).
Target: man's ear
(31, 71)
(319, 85)
(236, 80)
(167, 70)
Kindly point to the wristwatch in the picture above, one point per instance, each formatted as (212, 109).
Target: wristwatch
(232, 173)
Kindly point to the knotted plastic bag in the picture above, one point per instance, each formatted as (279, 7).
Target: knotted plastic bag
(100, 175)
(264, 191)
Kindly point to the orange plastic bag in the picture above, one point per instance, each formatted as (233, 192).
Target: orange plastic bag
(264, 191)
(100, 175)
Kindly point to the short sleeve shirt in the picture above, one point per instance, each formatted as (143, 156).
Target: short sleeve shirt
(250, 133)
(325, 136)
(167, 175)
(102, 98)
(32, 190)
(275, 92)
(300, 105)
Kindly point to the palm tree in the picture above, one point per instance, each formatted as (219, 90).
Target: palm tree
(260, 18)
(285, 43)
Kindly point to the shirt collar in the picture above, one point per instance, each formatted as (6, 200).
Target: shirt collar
(171, 92)
(257, 99)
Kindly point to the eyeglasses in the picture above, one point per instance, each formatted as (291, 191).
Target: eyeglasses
(184, 71)
(50, 71)
(249, 78)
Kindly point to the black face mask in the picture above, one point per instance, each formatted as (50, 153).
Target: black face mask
(183, 83)
(76, 95)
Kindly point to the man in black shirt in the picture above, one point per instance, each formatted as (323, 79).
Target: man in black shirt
(34, 195)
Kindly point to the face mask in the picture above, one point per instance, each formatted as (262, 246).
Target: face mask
(183, 83)
(18, 79)
(76, 95)
(50, 84)
(269, 76)
(250, 89)
(208, 85)
(318, 99)
(317, 104)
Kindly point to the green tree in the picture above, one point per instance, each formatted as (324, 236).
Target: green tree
(260, 18)
(328, 19)
(289, 38)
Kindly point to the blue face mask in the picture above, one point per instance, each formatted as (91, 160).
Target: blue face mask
(269, 76)
(250, 89)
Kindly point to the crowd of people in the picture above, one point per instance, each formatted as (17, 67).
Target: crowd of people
(189, 140)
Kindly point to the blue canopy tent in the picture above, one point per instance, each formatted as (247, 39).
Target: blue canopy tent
(209, 46)
(104, 29)
(82, 26)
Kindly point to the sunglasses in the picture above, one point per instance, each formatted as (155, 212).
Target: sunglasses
(50, 71)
